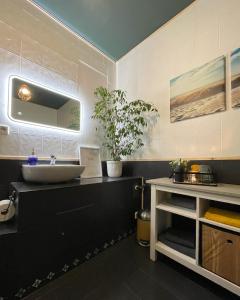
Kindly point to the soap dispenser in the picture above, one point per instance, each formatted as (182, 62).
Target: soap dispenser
(32, 159)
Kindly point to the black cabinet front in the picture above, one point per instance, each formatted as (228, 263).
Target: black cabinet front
(60, 228)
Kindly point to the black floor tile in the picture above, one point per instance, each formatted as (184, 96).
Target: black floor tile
(179, 283)
(185, 283)
(124, 272)
(146, 288)
(112, 291)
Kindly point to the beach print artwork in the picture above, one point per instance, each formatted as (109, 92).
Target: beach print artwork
(235, 80)
(199, 92)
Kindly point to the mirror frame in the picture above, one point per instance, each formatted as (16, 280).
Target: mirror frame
(9, 108)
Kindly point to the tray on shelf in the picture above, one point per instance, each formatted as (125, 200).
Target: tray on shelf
(194, 178)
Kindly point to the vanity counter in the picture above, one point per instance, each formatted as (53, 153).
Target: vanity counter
(23, 187)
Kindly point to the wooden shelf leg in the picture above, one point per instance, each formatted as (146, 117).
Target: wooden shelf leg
(153, 235)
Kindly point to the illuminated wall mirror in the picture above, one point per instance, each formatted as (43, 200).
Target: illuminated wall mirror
(30, 102)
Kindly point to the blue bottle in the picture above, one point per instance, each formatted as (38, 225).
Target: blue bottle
(32, 159)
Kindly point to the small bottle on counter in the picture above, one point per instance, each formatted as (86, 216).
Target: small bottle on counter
(32, 159)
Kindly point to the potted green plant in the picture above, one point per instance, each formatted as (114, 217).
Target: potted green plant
(122, 123)
(178, 167)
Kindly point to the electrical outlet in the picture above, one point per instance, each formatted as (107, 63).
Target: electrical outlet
(4, 130)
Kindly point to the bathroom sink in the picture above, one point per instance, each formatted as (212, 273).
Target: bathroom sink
(51, 173)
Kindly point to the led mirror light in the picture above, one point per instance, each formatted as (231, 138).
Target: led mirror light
(24, 93)
(35, 104)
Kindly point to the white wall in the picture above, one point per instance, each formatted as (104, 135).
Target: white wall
(204, 31)
(34, 46)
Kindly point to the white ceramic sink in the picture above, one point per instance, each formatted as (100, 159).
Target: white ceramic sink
(51, 173)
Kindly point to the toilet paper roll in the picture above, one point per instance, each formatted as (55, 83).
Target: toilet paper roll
(4, 204)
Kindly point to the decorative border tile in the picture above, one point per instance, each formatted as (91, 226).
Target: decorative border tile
(37, 283)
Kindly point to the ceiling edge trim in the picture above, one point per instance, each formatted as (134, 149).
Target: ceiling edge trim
(158, 29)
(59, 22)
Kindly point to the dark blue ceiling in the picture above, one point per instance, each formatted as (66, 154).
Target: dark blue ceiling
(114, 26)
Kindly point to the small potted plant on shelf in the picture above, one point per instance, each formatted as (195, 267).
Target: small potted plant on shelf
(178, 168)
(122, 123)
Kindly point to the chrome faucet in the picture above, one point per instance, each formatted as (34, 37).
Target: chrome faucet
(52, 159)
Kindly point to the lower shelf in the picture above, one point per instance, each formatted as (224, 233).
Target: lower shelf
(192, 264)
(164, 238)
(162, 248)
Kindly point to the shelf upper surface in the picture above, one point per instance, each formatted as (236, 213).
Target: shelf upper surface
(186, 212)
(229, 190)
(23, 187)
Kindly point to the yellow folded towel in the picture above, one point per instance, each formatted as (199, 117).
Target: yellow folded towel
(195, 168)
(223, 216)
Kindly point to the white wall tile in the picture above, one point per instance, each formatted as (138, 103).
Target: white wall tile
(70, 148)
(48, 78)
(9, 145)
(29, 141)
(202, 32)
(229, 23)
(49, 59)
(9, 65)
(9, 38)
(88, 81)
(32, 45)
(206, 40)
(111, 72)
(230, 133)
(51, 145)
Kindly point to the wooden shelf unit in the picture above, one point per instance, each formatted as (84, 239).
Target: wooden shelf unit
(161, 210)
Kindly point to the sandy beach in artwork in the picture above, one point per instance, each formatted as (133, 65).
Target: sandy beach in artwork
(199, 92)
(203, 101)
(236, 91)
(235, 80)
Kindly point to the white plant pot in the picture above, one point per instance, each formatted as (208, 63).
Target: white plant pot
(114, 168)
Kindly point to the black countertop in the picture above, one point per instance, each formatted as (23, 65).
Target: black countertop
(23, 187)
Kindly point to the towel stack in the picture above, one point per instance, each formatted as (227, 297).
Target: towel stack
(223, 216)
(182, 240)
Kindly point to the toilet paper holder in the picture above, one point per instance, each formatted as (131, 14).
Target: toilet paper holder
(9, 210)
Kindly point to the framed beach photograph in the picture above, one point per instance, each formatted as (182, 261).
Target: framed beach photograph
(199, 92)
(90, 157)
(235, 78)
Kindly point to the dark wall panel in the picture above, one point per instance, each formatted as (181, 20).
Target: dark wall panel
(10, 171)
(227, 171)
